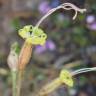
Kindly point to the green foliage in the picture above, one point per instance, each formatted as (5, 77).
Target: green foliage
(16, 24)
(15, 46)
(79, 36)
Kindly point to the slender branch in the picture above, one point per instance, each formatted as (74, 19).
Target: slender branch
(83, 70)
(66, 6)
(48, 88)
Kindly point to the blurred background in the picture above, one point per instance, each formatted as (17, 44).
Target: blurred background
(70, 45)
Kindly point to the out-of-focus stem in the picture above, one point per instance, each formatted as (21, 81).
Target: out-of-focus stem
(64, 78)
(49, 87)
(14, 81)
(19, 82)
(83, 70)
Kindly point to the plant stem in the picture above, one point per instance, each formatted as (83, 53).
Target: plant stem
(14, 81)
(50, 87)
(24, 58)
(19, 82)
(66, 6)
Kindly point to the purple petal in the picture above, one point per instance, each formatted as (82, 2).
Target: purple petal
(40, 49)
(44, 7)
(90, 19)
(92, 26)
(50, 45)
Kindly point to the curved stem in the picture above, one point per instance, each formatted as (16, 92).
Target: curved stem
(46, 15)
(66, 6)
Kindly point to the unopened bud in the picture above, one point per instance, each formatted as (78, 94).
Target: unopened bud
(13, 57)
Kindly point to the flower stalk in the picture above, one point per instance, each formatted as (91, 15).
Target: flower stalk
(14, 80)
(23, 60)
(65, 6)
(64, 78)
(19, 81)
(83, 70)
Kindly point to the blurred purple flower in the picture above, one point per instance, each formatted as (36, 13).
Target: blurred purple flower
(40, 49)
(49, 45)
(92, 26)
(44, 7)
(90, 19)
